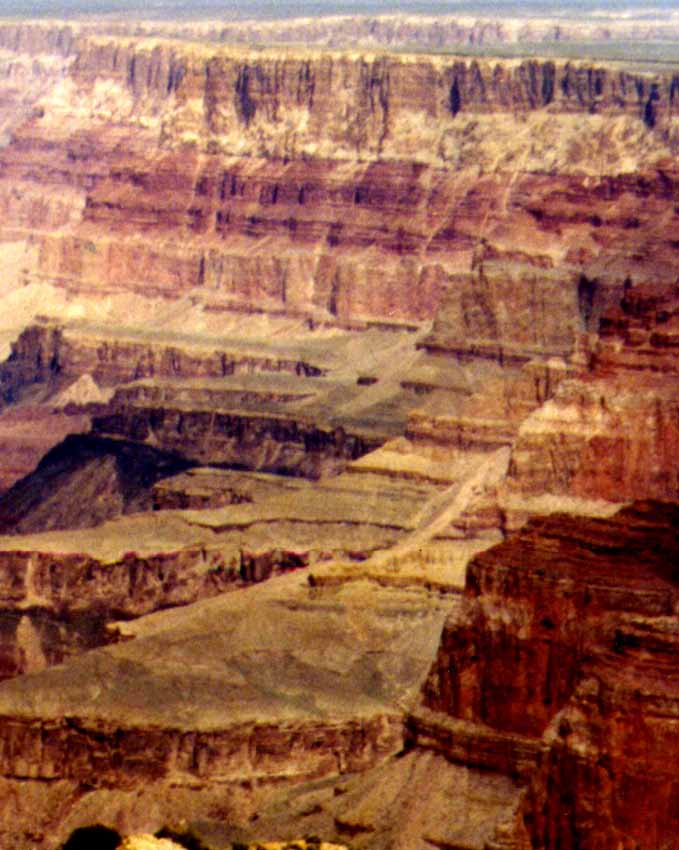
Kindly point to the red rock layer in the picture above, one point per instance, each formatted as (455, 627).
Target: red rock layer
(608, 777)
(535, 603)
(302, 183)
(613, 432)
(569, 636)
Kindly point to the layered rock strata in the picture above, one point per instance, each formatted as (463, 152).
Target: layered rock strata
(84, 481)
(283, 204)
(53, 355)
(581, 613)
(331, 238)
(262, 703)
(62, 589)
(609, 432)
(294, 405)
(271, 443)
(463, 31)
(574, 748)
(338, 161)
(620, 723)
(417, 800)
(28, 432)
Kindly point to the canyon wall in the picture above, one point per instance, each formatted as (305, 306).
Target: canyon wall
(612, 748)
(48, 354)
(345, 186)
(399, 30)
(558, 669)
(239, 753)
(610, 432)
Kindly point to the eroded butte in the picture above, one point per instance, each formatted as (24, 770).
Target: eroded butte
(340, 446)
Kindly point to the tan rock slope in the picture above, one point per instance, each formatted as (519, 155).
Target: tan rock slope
(224, 702)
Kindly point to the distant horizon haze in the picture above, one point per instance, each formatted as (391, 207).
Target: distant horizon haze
(272, 9)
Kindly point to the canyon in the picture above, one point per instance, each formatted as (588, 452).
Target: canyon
(339, 414)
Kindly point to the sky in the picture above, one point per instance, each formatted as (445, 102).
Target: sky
(289, 8)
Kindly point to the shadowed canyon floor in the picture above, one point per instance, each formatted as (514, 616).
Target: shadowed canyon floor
(339, 415)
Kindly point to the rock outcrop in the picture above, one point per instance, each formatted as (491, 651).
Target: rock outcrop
(270, 699)
(396, 30)
(574, 749)
(583, 614)
(84, 481)
(610, 431)
(348, 164)
(62, 589)
(294, 406)
(50, 354)
(28, 432)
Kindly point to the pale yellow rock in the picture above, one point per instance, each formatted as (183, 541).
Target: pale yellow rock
(291, 845)
(148, 842)
(83, 391)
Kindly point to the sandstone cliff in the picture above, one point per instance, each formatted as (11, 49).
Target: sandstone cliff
(581, 612)
(437, 32)
(299, 709)
(610, 432)
(289, 178)
(544, 758)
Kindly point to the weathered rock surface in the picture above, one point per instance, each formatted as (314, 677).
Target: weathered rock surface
(583, 614)
(63, 588)
(619, 733)
(327, 184)
(295, 405)
(84, 481)
(610, 431)
(586, 609)
(416, 800)
(28, 432)
(288, 686)
(512, 205)
(269, 442)
(503, 28)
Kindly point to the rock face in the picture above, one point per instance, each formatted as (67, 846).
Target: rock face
(296, 710)
(269, 443)
(294, 406)
(28, 432)
(46, 351)
(583, 613)
(63, 588)
(398, 30)
(84, 481)
(611, 431)
(585, 608)
(621, 722)
(348, 164)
